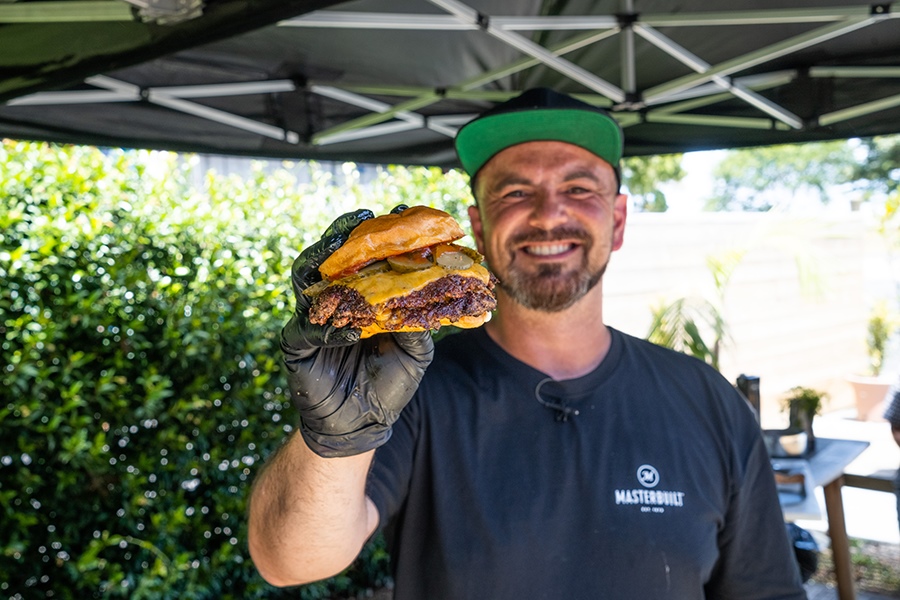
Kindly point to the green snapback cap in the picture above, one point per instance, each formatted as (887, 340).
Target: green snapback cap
(539, 115)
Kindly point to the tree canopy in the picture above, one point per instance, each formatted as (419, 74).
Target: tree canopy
(752, 179)
(642, 175)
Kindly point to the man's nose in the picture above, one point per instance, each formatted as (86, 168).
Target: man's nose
(548, 211)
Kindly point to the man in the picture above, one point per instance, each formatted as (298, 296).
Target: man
(892, 415)
(544, 455)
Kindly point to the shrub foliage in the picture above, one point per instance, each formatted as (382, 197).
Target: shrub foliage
(141, 385)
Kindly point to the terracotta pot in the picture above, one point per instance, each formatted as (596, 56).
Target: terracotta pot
(870, 395)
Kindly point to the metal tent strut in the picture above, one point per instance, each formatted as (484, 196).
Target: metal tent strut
(174, 98)
(838, 21)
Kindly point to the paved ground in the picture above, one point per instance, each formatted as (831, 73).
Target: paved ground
(817, 591)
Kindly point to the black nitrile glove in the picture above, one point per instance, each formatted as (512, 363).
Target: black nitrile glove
(348, 392)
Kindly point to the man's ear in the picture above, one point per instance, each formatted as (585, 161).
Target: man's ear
(477, 227)
(620, 212)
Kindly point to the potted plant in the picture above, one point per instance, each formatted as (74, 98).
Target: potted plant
(878, 333)
(870, 390)
(803, 404)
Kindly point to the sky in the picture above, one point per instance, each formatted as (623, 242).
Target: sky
(690, 194)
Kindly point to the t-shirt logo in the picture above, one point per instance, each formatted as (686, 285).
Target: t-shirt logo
(648, 499)
(648, 476)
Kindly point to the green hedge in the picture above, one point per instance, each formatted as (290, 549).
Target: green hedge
(141, 379)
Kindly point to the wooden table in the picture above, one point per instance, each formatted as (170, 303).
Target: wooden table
(825, 468)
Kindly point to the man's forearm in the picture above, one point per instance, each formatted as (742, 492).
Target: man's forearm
(309, 516)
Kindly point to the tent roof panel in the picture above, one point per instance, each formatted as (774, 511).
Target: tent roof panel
(391, 80)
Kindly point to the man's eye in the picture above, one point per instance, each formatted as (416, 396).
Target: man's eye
(577, 190)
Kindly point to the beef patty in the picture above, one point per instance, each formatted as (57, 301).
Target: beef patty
(449, 297)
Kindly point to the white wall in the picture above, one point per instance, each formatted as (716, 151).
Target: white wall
(796, 305)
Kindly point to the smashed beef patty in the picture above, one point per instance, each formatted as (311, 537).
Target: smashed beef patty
(450, 297)
(343, 305)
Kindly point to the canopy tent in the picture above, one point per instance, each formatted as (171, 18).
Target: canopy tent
(390, 81)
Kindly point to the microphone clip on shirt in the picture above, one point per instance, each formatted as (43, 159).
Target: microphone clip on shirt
(563, 412)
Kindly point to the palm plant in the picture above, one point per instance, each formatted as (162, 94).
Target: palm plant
(682, 325)
(693, 325)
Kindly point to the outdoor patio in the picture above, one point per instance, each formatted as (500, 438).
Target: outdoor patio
(870, 516)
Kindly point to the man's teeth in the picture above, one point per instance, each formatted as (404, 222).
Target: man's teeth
(548, 250)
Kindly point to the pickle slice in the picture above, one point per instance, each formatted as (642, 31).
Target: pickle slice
(451, 256)
(411, 261)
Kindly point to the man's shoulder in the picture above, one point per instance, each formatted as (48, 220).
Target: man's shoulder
(665, 366)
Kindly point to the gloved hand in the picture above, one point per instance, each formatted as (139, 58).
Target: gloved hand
(348, 392)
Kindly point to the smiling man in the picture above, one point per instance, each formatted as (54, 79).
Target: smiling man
(545, 455)
(550, 232)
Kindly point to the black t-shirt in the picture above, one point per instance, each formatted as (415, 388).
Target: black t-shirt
(659, 487)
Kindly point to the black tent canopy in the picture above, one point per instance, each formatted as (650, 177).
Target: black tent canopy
(381, 81)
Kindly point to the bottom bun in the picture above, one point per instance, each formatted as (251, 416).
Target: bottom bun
(465, 322)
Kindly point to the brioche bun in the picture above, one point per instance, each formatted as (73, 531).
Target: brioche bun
(389, 235)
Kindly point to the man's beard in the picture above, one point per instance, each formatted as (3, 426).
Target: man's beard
(550, 289)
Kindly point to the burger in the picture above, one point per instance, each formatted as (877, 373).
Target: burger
(403, 272)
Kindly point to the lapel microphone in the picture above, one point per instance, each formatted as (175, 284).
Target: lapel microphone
(563, 412)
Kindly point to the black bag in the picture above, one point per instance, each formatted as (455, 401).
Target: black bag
(805, 549)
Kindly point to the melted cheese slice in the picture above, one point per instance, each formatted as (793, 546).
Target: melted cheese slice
(381, 287)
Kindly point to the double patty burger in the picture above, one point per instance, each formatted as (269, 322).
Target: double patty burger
(402, 272)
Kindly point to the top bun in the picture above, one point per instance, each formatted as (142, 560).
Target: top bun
(390, 235)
